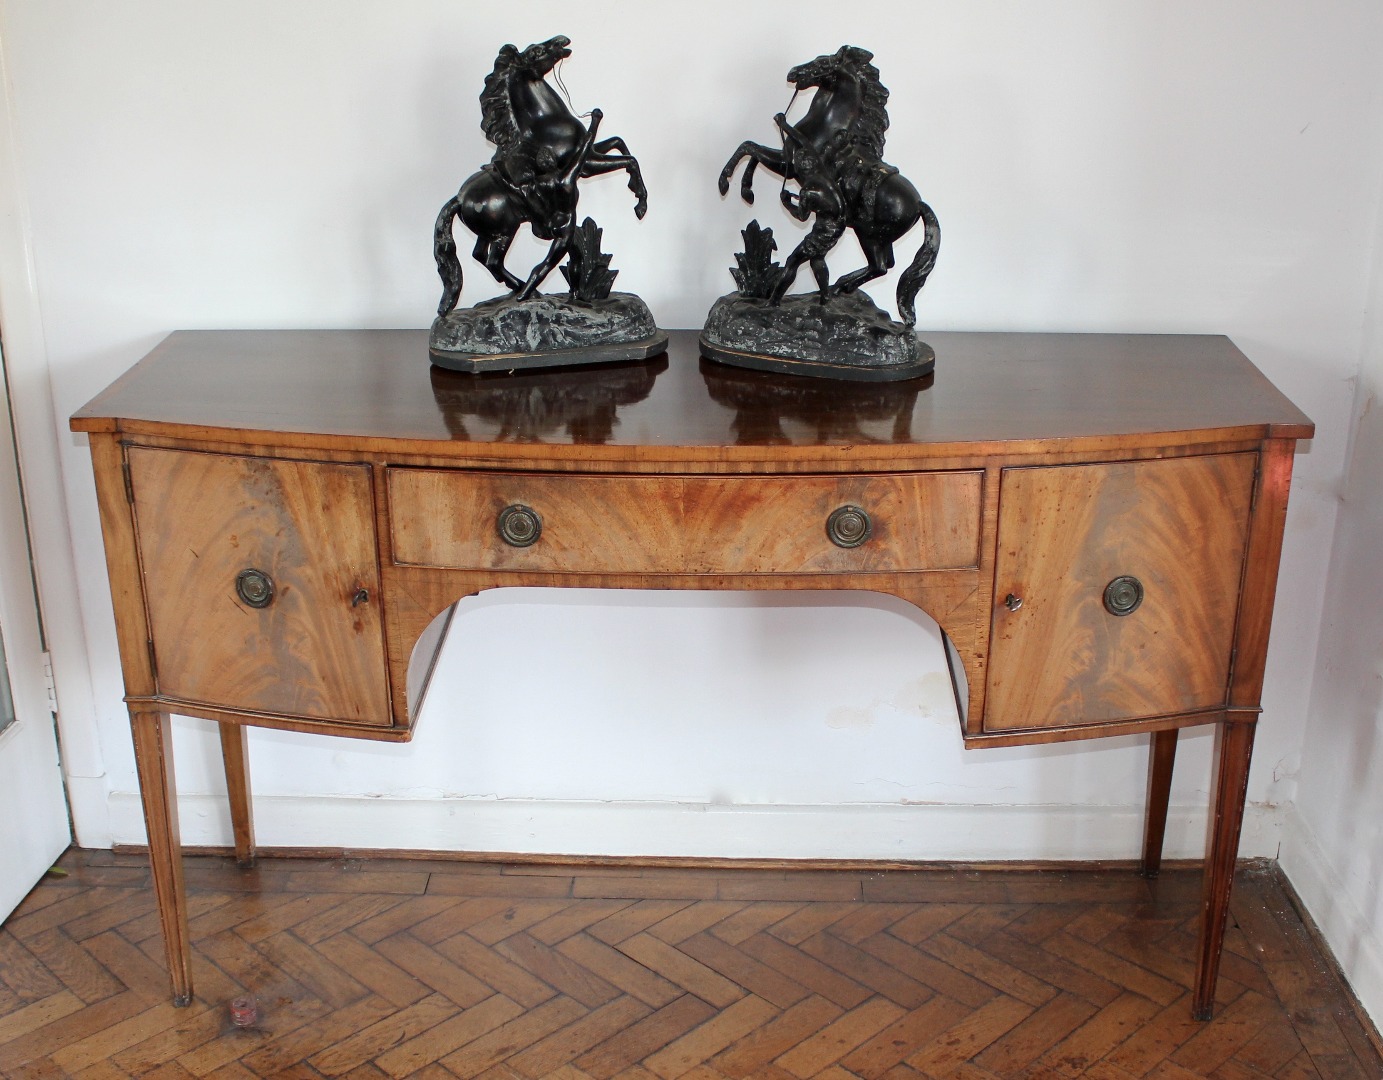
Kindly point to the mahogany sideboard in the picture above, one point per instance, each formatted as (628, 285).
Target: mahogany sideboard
(1095, 522)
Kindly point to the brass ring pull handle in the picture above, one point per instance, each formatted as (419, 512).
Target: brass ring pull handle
(254, 587)
(1123, 595)
(849, 526)
(519, 526)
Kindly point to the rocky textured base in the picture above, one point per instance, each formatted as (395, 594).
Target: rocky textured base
(847, 337)
(545, 331)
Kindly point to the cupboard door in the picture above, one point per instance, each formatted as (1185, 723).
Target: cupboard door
(262, 583)
(1116, 590)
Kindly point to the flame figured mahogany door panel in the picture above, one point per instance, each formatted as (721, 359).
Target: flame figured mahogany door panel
(1116, 590)
(262, 583)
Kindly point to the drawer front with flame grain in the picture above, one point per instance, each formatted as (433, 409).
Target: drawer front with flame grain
(685, 525)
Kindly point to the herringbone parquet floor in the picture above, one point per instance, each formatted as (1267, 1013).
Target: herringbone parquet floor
(395, 968)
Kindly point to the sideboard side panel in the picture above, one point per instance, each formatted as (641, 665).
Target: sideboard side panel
(122, 565)
(1260, 573)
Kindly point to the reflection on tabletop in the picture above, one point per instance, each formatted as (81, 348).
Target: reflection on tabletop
(833, 411)
(570, 405)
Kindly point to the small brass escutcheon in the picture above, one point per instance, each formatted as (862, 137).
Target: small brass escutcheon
(519, 525)
(1123, 595)
(255, 587)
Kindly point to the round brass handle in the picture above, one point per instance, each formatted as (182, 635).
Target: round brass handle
(519, 525)
(1123, 595)
(255, 587)
(849, 526)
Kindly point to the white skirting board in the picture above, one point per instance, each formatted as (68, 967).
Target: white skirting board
(1354, 937)
(862, 831)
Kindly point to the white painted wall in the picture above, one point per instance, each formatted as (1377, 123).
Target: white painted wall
(1333, 848)
(1134, 167)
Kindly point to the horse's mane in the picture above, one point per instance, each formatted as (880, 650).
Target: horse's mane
(868, 133)
(496, 111)
(873, 116)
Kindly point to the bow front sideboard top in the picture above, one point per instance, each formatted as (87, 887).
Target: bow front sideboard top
(1095, 522)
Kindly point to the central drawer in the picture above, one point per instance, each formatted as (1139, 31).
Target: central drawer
(690, 524)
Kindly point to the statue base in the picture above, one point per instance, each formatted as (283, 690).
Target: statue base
(846, 337)
(505, 334)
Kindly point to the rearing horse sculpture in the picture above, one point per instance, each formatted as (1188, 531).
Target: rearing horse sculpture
(542, 151)
(835, 155)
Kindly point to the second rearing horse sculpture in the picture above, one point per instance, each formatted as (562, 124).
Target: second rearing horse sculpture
(835, 155)
(542, 151)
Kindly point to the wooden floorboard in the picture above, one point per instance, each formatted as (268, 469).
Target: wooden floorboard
(395, 968)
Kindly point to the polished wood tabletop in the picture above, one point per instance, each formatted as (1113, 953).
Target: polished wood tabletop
(995, 389)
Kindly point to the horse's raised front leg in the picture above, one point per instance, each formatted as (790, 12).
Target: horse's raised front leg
(614, 142)
(490, 250)
(747, 181)
(879, 255)
(598, 166)
(757, 154)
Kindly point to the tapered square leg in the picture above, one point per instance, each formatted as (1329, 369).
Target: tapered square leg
(153, 752)
(235, 756)
(1233, 751)
(1161, 758)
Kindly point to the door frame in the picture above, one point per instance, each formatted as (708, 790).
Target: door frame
(36, 440)
(36, 826)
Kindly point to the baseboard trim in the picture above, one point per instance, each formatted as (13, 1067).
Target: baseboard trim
(1318, 941)
(686, 862)
(868, 833)
(1347, 935)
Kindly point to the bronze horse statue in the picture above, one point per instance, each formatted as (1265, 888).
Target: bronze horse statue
(835, 156)
(542, 151)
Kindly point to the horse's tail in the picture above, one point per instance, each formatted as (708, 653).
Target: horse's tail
(915, 276)
(444, 251)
